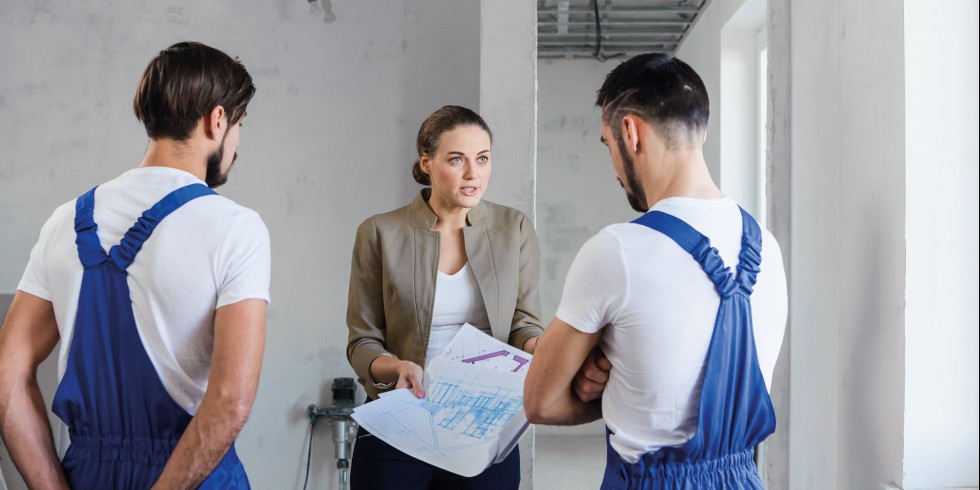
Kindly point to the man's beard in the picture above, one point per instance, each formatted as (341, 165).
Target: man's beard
(634, 191)
(213, 176)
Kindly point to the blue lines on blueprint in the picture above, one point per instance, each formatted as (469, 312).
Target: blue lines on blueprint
(473, 411)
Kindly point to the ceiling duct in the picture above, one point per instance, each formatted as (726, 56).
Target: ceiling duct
(605, 29)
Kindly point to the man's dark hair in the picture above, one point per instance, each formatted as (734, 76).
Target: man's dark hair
(446, 119)
(662, 90)
(184, 83)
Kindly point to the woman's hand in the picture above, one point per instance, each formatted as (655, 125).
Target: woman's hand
(387, 368)
(530, 344)
(410, 376)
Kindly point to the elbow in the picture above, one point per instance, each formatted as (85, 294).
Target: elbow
(539, 415)
(534, 408)
(238, 412)
(236, 409)
(534, 414)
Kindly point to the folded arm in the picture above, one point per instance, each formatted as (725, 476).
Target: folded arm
(549, 392)
(27, 337)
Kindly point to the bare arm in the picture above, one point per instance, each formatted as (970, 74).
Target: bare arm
(239, 340)
(27, 338)
(549, 395)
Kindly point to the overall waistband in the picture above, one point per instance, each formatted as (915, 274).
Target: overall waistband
(130, 449)
(720, 465)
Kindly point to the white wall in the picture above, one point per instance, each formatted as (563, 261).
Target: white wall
(508, 93)
(508, 84)
(702, 50)
(774, 466)
(738, 105)
(848, 242)
(578, 194)
(941, 409)
(329, 140)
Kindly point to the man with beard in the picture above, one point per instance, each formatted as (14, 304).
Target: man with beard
(157, 288)
(692, 344)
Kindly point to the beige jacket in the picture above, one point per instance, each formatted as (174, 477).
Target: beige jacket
(393, 278)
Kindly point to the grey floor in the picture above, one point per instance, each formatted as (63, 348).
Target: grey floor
(569, 458)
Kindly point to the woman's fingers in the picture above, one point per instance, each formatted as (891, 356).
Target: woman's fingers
(410, 376)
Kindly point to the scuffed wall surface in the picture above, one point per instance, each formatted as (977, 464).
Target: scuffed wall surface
(328, 141)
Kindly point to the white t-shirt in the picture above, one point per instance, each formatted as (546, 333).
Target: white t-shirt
(458, 300)
(207, 254)
(657, 310)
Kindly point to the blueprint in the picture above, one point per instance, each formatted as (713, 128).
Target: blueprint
(472, 346)
(470, 417)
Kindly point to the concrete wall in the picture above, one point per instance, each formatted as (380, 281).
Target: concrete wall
(329, 140)
(848, 219)
(883, 331)
(738, 106)
(508, 85)
(774, 459)
(942, 248)
(702, 50)
(577, 190)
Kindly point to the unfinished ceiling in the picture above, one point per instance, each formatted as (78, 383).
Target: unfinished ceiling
(571, 28)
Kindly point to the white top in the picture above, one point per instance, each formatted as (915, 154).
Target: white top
(657, 308)
(458, 301)
(207, 254)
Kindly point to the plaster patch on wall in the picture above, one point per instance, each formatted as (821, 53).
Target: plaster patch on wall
(176, 15)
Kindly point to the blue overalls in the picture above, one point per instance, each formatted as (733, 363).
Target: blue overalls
(735, 412)
(123, 423)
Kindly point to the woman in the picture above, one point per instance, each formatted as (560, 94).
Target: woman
(420, 272)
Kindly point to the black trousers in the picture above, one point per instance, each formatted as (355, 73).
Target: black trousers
(375, 465)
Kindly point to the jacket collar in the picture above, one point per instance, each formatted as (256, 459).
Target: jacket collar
(421, 214)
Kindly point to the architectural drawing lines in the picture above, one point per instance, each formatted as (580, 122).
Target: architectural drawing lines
(491, 355)
(472, 412)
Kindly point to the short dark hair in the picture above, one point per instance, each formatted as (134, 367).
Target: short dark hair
(661, 89)
(445, 119)
(184, 83)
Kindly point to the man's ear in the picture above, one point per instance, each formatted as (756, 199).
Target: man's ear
(216, 123)
(631, 132)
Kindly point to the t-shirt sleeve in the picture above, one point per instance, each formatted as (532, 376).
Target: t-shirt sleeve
(35, 278)
(245, 262)
(596, 287)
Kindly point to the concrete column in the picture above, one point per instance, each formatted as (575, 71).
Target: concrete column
(508, 98)
(508, 102)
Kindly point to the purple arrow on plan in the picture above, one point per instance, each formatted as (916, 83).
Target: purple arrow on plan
(484, 357)
(520, 363)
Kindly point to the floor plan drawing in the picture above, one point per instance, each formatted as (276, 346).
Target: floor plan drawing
(471, 412)
(470, 417)
(475, 347)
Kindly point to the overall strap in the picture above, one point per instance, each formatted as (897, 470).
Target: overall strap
(696, 244)
(699, 246)
(750, 257)
(90, 252)
(124, 253)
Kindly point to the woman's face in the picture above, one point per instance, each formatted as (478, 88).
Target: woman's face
(460, 167)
